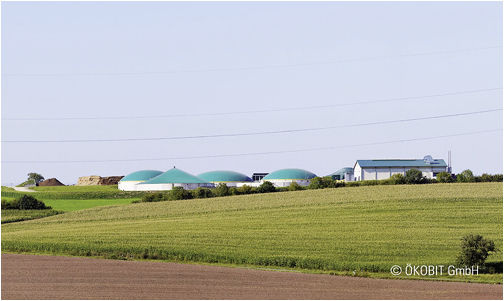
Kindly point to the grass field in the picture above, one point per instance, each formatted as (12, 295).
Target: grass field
(75, 193)
(344, 229)
(71, 198)
(92, 188)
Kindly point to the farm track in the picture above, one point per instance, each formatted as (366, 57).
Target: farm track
(57, 277)
(23, 189)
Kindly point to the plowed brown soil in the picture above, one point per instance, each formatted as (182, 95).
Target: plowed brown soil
(58, 277)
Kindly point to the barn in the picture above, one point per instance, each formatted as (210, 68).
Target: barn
(173, 178)
(284, 177)
(128, 183)
(384, 169)
(230, 178)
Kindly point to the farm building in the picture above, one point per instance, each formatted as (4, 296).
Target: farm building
(284, 177)
(384, 169)
(230, 178)
(345, 173)
(173, 178)
(128, 182)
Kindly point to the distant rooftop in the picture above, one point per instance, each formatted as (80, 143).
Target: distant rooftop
(427, 161)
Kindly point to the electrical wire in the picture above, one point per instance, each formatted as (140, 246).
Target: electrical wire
(265, 153)
(256, 133)
(246, 68)
(303, 108)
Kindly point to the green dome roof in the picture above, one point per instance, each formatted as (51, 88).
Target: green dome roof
(290, 174)
(175, 175)
(224, 176)
(141, 175)
(342, 171)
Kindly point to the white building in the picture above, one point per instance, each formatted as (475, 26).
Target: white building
(384, 169)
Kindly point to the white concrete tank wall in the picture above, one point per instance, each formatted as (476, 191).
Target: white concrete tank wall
(250, 184)
(128, 185)
(170, 186)
(286, 183)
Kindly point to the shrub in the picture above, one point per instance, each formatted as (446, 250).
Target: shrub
(9, 205)
(444, 177)
(497, 178)
(266, 187)
(396, 179)
(202, 193)
(179, 193)
(245, 189)
(474, 250)
(353, 184)
(26, 202)
(295, 186)
(372, 182)
(234, 191)
(414, 176)
(324, 182)
(465, 176)
(222, 190)
(154, 197)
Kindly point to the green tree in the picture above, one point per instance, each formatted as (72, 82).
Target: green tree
(266, 187)
(179, 193)
(486, 178)
(414, 176)
(295, 186)
(474, 250)
(324, 182)
(37, 178)
(222, 190)
(154, 197)
(465, 176)
(397, 179)
(202, 193)
(245, 189)
(444, 177)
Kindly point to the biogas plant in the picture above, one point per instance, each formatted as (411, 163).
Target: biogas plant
(155, 180)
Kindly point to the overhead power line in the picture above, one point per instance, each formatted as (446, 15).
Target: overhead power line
(302, 108)
(265, 153)
(256, 133)
(245, 68)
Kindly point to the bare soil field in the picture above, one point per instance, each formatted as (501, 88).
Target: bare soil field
(58, 277)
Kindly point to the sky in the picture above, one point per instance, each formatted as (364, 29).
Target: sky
(91, 69)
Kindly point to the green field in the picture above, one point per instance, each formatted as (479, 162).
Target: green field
(10, 216)
(344, 229)
(73, 205)
(76, 193)
(92, 188)
(71, 198)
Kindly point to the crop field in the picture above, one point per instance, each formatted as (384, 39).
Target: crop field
(73, 205)
(344, 229)
(10, 216)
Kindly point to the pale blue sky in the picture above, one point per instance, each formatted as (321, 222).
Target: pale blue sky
(98, 59)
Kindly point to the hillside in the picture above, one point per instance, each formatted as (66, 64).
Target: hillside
(343, 229)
